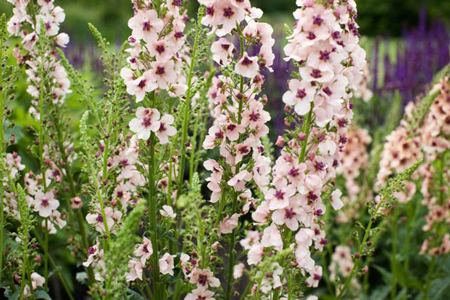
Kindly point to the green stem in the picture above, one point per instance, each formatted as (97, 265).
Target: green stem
(361, 248)
(152, 215)
(307, 130)
(2, 170)
(188, 106)
(429, 277)
(79, 214)
(41, 153)
(46, 254)
(393, 255)
(56, 268)
(229, 286)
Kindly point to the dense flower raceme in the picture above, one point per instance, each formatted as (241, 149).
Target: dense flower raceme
(324, 45)
(434, 134)
(37, 25)
(355, 158)
(155, 62)
(238, 113)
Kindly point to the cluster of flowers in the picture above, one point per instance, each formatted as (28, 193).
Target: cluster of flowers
(28, 28)
(434, 134)
(27, 23)
(37, 25)
(354, 159)
(324, 46)
(237, 110)
(342, 265)
(155, 64)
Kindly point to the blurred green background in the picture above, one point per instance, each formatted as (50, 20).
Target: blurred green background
(376, 17)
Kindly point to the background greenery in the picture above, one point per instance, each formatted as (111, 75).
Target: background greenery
(376, 17)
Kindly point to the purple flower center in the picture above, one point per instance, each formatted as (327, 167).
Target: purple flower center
(99, 218)
(146, 26)
(45, 202)
(254, 116)
(294, 172)
(142, 83)
(318, 20)
(228, 12)
(146, 122)
(210, 11)
(202, 279)
(311, 36)
(91, 250)
(219, 135)
(243, 149)
(231, 127)
(160, 70)
(316, 73)
(279, 195)
(327, 91)
(301, 93)
(160, 49)
(289, 213)
(246, 61)
(324, 55)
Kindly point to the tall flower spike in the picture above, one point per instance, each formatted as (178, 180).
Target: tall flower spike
(239, 117)
(324, 47)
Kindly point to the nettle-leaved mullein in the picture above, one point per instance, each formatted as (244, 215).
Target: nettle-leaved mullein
(37, 25)
(239, 124)
(155, 77)
(324, 47)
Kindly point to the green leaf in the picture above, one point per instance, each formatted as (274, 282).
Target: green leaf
(384, 273)
(41, 294)
(132, 295)
(439, 288)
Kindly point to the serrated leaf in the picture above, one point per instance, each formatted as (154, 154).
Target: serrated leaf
(41, 294)
(132, 295)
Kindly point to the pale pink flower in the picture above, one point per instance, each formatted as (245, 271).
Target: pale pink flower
(290, 215)
(147, 121)
(140, 86)
(272, 238)
(238, 271)
(165, 129)
(255, 254)
(135, 270)
(228, 225)
(200, 293)
(222, 51)
(161, 50)
(167, 212)
(166, 264)
(247, 66)
(144, 251)
(62, 39)
(204, 278)
(163, 73)
(300, 95)
(45, 204)
(279, 196)
(146, 25)
(37, 280)
(336, 201)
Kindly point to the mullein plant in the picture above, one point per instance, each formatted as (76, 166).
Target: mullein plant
(241, 174)
(36, 24)
(324, 47)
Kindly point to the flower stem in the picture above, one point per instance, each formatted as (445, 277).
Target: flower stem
(188, 106)
(361, 248)
(152, 205)
(394, 253)
(2, 169)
